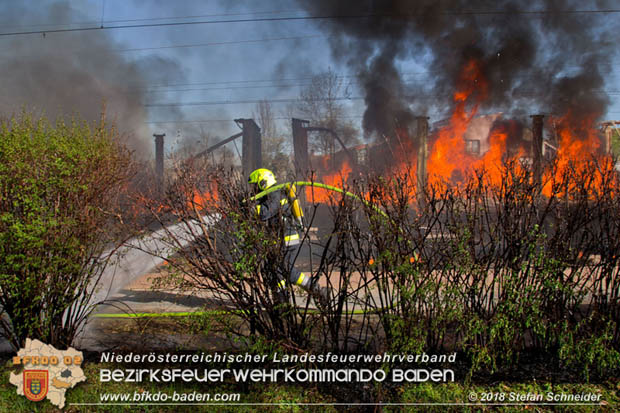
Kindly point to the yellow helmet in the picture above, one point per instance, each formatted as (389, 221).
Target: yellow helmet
(262, 178)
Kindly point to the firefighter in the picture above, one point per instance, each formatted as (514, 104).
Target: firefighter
(283, 205)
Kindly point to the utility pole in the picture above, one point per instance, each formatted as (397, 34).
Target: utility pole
(421, 171)
(300, 148)
(251, 146)
(537, 147)
(159, 162)
(608, 128)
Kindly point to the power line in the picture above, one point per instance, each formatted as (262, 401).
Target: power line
(302, 18)
(294, 85)
(103, 22)
(221, 43)
(525, 94)
(232, 120)
(202, 16)
(249, 101)
(226, 82)
(529, 12)
(169, 24)
(229, 88)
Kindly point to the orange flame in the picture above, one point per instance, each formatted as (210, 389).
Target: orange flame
(449, 160)
(337, 179)
(204, 200)
(578, 144)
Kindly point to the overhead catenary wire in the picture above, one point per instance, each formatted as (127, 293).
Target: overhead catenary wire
(222, 43)
(298, 85)
(304, 18)
(293, 79)
(232, 120)
(272, 80)
(247, 101)
(335, 98)
(145, 19)
(102, 21)
(288, 86)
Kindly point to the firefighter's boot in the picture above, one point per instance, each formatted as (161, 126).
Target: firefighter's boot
(321, 295)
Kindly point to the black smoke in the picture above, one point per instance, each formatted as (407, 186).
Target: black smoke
(536, 56)
(76, 73)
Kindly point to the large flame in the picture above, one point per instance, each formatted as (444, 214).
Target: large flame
(578, 146)
(203, 199)
(450, 162)
(337, 179)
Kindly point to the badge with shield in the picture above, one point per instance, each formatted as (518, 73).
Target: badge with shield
(36, 384)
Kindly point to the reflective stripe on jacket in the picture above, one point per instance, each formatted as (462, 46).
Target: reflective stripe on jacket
(273, 206)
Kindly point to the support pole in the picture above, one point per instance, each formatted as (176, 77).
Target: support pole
(300, 148)
(608, 129)
(159, 161)
(422, 134)
(537, 147)
(251, 146)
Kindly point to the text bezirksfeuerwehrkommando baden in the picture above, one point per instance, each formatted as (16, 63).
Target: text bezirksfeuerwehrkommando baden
(295, 375)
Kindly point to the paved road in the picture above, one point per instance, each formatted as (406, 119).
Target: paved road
(140, 255)
(133, 260)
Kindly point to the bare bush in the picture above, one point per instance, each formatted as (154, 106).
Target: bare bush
(489, 269)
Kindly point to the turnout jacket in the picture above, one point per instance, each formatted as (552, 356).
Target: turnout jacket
(275, 206)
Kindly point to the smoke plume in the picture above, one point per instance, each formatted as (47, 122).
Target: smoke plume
(535, 56)
(75, 73)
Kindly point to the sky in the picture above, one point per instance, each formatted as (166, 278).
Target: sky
(188, 68)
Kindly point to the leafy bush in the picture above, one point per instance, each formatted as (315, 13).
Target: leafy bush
(59, 186)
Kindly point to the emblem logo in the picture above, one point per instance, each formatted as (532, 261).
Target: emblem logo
(36, 384)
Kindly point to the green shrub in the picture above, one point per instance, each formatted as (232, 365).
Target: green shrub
(59, 186)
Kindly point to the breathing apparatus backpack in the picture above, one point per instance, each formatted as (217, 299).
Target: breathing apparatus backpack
(291, 194)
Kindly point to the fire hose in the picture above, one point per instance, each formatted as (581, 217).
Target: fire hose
(317, 185)
(286, 185)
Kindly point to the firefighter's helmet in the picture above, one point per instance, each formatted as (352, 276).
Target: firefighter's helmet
(262, 178)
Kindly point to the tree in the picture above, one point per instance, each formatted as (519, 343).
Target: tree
(60, 189)
(273, 144)
(321, 104)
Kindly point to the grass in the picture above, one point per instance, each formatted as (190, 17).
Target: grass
(459, 393)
